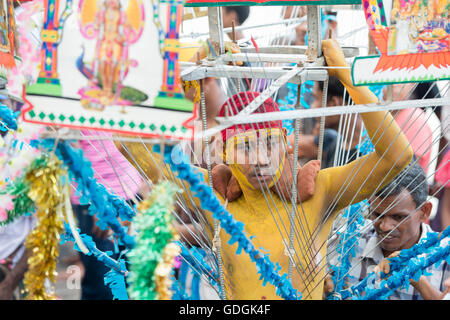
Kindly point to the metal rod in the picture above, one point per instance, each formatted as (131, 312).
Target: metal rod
(313, 113)
(314, 32)
(294, 184)
(210, 182)
(240, 28)
(216, 28)
(192, 72)
(332, 111)
(322, 120)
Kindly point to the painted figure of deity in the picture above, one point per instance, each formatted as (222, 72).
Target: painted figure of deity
(114, 30)
(8, 39)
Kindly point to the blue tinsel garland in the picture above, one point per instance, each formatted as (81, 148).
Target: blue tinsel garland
(347, 248)
(349, 239)
(407, 265)
(8, 118)
(432, 239)
(179, 163)
(106, 206)
(115, 278)
(412, 269)
(354, 218)
(177, 290)
(195, 259)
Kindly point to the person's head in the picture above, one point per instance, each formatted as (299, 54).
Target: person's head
(335, 97)
(426, 90)
(254, 152)
(399, 209)
(331, 18)
(238, 14)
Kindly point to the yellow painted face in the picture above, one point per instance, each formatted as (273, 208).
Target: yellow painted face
(256, 157)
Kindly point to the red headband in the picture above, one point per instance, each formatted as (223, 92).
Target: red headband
(237, 103)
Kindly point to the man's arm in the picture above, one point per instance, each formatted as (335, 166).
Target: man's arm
(426, 290)
(359, 179)
(13, 278)
(142, 157)
(423, 286)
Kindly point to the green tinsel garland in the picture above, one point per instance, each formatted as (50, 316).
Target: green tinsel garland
(23, 205)
(154, 233)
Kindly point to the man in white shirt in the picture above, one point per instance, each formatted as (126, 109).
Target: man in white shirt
(13, 255)
(397, 215)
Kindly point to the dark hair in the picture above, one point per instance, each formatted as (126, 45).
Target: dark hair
(426, 90)
(413, 179)
(242, 12)
(335, 89)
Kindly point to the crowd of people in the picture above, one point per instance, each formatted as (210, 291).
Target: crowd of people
(405, 181)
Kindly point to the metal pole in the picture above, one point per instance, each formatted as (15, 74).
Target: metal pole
(314, 32)
(322, 120)
(215, 23)
(217, 242)
(294, 185)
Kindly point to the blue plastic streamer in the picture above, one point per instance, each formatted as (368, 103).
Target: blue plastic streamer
(106, 206)
(353, 214)
(116, 282)
(8, 118)
(268, 271)
(409, 264)
(177, 290)
(413, 269)
(432, 239)
(347, 249)
(195, 260)
(115, 278)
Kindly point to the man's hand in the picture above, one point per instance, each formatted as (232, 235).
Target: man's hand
(328, 285)
(306, 180)
(334, 57)
(384, 266)
(228, 187)
(225, 183)
(426, 290)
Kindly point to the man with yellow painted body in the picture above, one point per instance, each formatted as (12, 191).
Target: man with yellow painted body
(266, 216)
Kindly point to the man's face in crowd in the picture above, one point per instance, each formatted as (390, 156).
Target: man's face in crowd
(259, 157)
(397, 221)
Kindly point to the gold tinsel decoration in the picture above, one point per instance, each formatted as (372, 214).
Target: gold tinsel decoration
(43, 178)
(163, 270)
